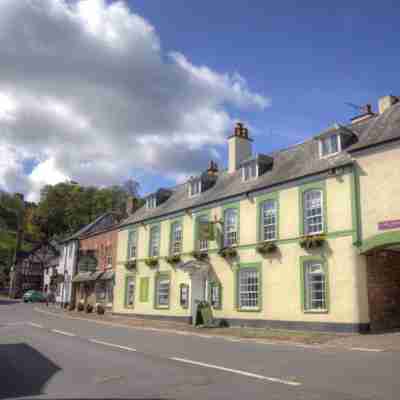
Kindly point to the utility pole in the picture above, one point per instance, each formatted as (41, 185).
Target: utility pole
(15, 274)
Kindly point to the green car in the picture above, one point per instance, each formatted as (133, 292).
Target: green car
(32, 296)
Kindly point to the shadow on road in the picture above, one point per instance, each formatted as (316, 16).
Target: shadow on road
(23, 370)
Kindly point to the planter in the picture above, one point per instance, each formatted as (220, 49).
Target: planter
(173, 259)
(199, 255)
(130, 265)
(66, 305)
(151, 262)
(266, 248)
(100, 309)
(228, 252)
(80, 307)
(89, 308)
(312, 242)
(71, 307)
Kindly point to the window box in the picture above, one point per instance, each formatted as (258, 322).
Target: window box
(228, 252)
(199, 255)
(174, 259)
(130, 265)
(151, 261)
(312, 242)
(266, 247)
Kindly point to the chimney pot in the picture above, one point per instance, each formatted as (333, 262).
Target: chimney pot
(386, 102)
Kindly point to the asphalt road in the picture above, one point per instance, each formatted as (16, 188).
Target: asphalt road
(47, 356)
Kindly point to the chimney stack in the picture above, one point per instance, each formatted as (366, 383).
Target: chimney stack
(386, 102)
(212, 168)
(239, 147)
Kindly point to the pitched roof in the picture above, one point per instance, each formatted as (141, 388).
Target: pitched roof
(293, 163)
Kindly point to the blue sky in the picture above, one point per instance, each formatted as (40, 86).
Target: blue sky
(307, 58)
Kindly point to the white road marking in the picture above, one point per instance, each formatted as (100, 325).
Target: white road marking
(35, 325)
(237, 371)
(63, 332)
(366, 349)
(112, 345)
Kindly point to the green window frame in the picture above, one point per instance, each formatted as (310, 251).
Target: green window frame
(144, 289)
(130, 279)
(215, 294)
(313, 289)
(132, 244)
(162, 277)
(225, 210)
(184, 295)
(319, 186)
(248, 269)
(261, 200)
(196, 235)
(152, 229)
(176, 243)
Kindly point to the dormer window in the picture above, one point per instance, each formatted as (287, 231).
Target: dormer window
(151, 201)
(194, 187)
(330, 145)
(249, 171)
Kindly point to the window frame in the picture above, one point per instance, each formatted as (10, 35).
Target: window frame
(144, 289)
(135, 233)
(151, 201)
(212, 285)
(252, 166)
(151, 227)
(321, 186)
(198, 217)
(308, 260)
(173, 240)
(261, 200)
(131, 277)
(195, 182)
(162, 276)
(225, 209)
(330, 153)
(184, 287)
(308, 219)
(245, 268)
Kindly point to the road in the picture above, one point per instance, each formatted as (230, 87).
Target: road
(47, 356)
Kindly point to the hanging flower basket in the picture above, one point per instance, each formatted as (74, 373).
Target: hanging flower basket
(312, 241)
(151, 262)
(130, 265)
(267, 247)
(199, 255)
(174, 259)
(228, 252)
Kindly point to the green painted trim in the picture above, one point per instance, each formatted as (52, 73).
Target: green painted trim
(323, 261)
(320, 185)
(356, 206)
(149, 239)
(260, 200)
(171, 224)
(130, 231)
(144, 289)
(127, 276)
(158, 276)
(258, 267)
(224, 208)
(380, 241)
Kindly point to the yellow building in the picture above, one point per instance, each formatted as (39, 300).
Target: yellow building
(304, 238)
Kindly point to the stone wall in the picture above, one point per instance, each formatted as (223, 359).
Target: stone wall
(384, 290)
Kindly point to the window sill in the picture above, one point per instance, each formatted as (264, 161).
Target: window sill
(249, 309)
(157, 307)
(324, 311)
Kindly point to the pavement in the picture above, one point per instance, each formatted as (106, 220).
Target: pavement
(47, 356)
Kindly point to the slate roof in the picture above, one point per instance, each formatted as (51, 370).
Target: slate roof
(293, 163)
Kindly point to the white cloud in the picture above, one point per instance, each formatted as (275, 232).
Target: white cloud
(86, 89)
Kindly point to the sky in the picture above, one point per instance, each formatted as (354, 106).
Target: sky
(100, 91)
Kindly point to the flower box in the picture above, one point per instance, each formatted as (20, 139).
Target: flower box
(174, 259)
(312, 241)
(130, 265)
(266, 248)
(228, 252)
(199, 255)
(151, 261)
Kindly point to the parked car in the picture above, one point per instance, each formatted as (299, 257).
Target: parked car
(32, 296)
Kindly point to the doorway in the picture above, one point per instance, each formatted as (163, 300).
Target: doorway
(198, 292)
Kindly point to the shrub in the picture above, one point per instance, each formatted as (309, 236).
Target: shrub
(173, 259)
(228, 252)
(266, 248)
(151, 261)
(89, 308)
(100, 309)
(81, 306)
(71, 307)
(312, 242)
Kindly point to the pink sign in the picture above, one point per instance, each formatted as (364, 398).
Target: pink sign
(386, 225)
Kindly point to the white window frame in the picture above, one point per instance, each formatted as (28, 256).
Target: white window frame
(163, 291)
(308, 219)
(130, 283)
(246, 293)
(151, 201)
(195, 187)
(152, 244)
(266, 220)
(250, 170)
(315, 286)
(132, 244)
(108, 251)
(176, 238)
(328, 140)
(202, 244)
(231, 230)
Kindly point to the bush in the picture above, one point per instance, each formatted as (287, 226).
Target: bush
(71, 307)
(173, 259)
(81, 307)
(151, 261)
(89, 308)
(100, 309)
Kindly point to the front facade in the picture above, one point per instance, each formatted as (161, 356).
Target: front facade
(290, 239)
